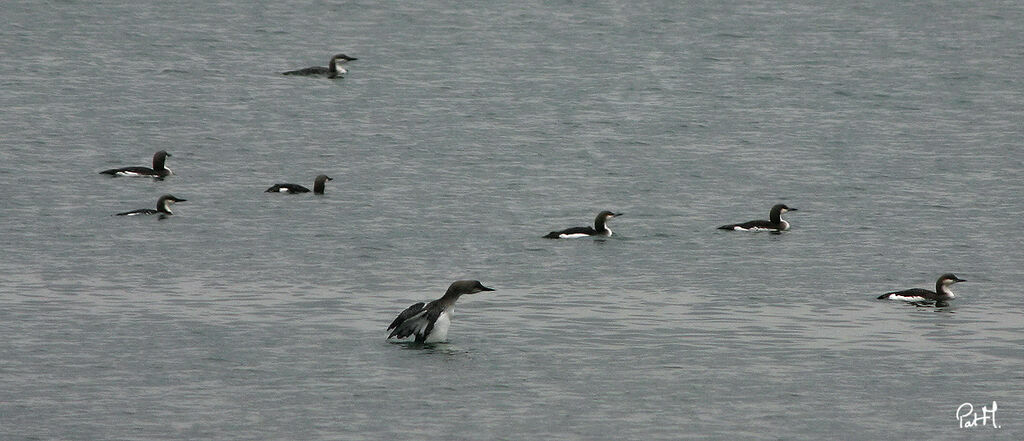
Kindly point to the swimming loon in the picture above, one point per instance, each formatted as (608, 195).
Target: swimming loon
(331, 71)
(429, 323)
(318, 186)
(599, 228)
(163, 207)
(775, 222)
(941, 293)
(158, 170)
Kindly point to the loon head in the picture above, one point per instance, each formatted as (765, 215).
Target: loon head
(942, 285)
(342, 58)
(460, 287)
(601, 220)
(782, 208)
(949, 279)
(776, 215)
(164, 203)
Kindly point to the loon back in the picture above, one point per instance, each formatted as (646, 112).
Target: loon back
(331, 71)
(775, 223)
(287, 188)
(600, 228)
(315, 70)
(159, 169)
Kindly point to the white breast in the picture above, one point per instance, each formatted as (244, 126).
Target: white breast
(946, 291)
(440, 331)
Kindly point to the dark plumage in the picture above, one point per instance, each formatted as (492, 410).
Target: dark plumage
(163, 207)
(404, 315)
(319, 184)
(428, 322)
(331, 71)
(287, 188)
(159, 169)
(775, 222)
(941, 293)
(600, 228)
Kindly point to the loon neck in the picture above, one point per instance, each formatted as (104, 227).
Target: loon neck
(943, 290)
(600, 227)
(775, 216)
(333, 70)
(319, 184)
(158, 162)
(447, 301)
(164, 206)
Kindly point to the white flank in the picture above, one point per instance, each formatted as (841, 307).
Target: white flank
(907, 298)
(572, 236)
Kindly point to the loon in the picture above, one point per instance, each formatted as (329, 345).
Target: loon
(331, 71)
(163, 207)
(599, 228)
(429, 322)
(318, 186)
(940, 295)
(158, 170)
(774, 224)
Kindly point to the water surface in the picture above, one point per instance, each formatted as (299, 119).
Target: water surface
(460, 136)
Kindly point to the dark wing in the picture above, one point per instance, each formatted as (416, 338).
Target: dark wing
(315, 70)
(418, 320)
(913, 292)
(574, 230)
(290, 188)
(409, 312)
(138, 170)
(751, 224)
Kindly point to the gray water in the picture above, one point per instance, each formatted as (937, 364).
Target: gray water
(461, 135)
